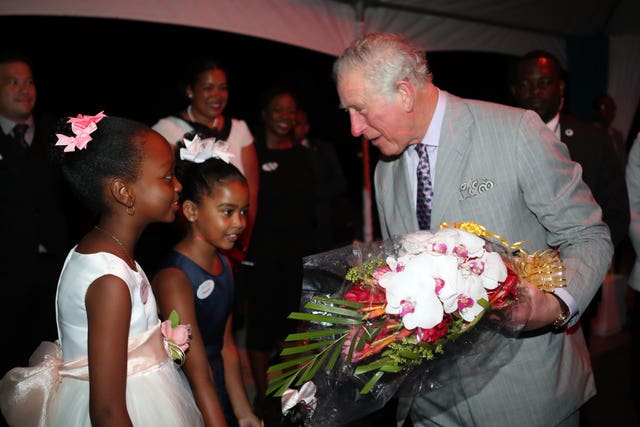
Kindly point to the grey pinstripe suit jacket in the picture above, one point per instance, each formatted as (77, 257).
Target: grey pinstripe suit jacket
(503, 168)
(633, 186)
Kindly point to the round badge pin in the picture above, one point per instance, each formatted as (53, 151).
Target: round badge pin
(205, 289)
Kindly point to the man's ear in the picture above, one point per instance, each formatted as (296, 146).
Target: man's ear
(561, 86)
(190, 210)
(121, 192)
(407, 95)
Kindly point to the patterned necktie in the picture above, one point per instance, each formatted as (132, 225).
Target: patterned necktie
(425, 188)
(19, 131)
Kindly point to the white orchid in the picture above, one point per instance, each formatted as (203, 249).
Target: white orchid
(416, 243)
(444, 272)
(412, 293)
(494, 270)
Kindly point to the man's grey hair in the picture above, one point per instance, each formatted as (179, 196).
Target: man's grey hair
(385, 59)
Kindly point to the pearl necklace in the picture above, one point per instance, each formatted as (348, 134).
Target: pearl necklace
(115, 239)
(213, 123)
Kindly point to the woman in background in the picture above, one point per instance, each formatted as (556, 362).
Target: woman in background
(283, 234)
(207, 90)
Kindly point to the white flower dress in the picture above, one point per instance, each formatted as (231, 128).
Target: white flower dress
(55, 392)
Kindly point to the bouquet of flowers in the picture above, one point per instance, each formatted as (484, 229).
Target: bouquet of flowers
(401, 306)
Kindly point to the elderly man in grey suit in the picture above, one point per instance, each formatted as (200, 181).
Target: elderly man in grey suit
(500, 167)
(633, 185)
(539, 86)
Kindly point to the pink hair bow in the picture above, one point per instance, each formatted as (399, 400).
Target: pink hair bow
(307, 394)
(82, 127)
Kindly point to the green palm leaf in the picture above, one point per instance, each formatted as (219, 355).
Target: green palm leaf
(315, 334)
(325, 346)
(319, 318)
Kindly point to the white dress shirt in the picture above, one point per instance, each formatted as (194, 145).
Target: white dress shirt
(431, 139)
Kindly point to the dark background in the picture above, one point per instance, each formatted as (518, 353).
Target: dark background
(132, 69)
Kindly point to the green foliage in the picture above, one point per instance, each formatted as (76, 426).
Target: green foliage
(175, 319)
(364, 273)
(316, 349)
(320, 349)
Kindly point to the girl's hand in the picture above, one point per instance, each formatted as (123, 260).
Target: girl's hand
(250, 420)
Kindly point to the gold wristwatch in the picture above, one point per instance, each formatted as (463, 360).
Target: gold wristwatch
(562, 319)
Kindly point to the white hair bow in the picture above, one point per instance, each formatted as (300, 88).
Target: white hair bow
(198, 150)
(307, 394)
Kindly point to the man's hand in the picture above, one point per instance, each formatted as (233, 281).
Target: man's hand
(545, 308)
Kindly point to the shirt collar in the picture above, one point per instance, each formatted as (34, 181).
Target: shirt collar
(7, 125)
(554, 123)
(432, 137)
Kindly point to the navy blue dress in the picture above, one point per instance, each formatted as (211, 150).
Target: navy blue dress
(214, 295)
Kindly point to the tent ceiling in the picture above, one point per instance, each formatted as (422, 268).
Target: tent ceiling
(550, 17)
(328, 25)
(503, 26)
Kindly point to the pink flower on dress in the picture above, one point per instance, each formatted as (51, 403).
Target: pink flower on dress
(176, 337)
(180, 335)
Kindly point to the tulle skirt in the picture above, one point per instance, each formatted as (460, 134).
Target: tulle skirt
(160, 397)
(52, 393)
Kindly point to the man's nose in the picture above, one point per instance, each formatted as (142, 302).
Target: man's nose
(358, 123)
(535, 90)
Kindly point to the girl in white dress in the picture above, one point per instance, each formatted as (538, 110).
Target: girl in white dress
(110, 366)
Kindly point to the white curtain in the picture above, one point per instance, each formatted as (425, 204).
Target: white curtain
(624, 78)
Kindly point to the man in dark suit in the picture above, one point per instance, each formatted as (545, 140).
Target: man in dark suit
(33, 227)
(539, 86)
(604, 111)
(503, 168)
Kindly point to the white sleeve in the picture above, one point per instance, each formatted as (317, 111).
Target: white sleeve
(172, 129)
(240, 132)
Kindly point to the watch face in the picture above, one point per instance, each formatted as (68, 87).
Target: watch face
(564, 316)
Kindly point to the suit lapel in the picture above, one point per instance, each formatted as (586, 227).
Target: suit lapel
(402, 196)
(455, 141)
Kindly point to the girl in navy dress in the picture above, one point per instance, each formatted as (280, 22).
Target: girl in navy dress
(195, 279)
